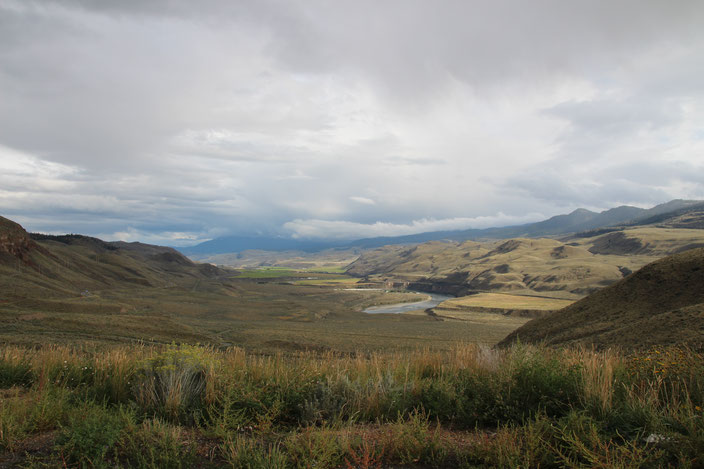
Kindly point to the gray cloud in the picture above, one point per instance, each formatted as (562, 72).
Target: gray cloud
(642, 183)
(176, 120)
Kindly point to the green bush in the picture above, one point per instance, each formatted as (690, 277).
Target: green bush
(90, 435)
(440, 400)
(542, 383)
(412, 440)
(49, 410)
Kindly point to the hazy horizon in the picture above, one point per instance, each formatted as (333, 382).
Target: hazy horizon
(173, 122)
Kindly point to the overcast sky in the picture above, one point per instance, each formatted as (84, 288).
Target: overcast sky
(178, 121)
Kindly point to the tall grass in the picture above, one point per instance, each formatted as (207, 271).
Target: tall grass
(473, 406)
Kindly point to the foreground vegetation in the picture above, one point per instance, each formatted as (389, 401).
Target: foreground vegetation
(189, 406)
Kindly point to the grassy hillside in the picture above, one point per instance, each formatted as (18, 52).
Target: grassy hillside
(568, 268)
(42, 266)
(662, 303)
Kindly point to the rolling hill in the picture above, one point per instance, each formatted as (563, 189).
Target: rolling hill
(570, 267)
(660, 304)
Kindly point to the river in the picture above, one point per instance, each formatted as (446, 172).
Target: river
(398, 308)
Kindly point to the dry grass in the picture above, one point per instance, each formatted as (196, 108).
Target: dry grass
(598, 369)
(472, 406)
(503, 301)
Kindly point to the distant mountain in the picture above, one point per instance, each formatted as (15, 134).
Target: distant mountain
(577, 221)
(660, 304)
(229, 244)
(687, 216)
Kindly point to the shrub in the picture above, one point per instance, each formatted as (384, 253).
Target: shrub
(173, 382)
(71, 374)
(13, 420)
(44, 411)
(674, 373)
(578, 441)
(327, 399)
(541, 382)
(439, 399)
(512, 445)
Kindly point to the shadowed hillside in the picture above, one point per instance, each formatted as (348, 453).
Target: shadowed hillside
(661, 304)
(40, 266)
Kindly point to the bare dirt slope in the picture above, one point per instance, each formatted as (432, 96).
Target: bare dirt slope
(660, 304)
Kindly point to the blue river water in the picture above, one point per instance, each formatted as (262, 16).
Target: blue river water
(434, 300)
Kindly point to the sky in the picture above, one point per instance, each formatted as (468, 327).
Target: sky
(174, 122)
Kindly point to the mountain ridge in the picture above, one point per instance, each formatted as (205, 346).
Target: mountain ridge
(576, 221)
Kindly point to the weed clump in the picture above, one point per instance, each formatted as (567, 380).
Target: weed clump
(156, 444)
(173, 382)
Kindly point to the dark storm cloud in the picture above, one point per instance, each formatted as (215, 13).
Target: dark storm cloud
(173, 120)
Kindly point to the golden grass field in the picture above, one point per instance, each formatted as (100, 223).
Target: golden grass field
(496, 306)
(505, 301)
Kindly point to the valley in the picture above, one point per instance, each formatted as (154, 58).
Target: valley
(114, 350)
(76, 289)
(73, 288)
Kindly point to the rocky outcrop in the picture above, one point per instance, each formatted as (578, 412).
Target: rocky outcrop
(16, 244)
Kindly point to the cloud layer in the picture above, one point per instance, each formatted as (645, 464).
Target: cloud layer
(175, 121)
